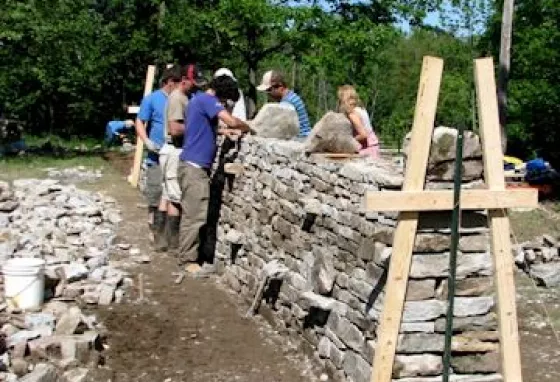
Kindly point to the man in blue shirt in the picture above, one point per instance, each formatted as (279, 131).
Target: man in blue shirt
(152, 113)
(274, 85)
(202, 116)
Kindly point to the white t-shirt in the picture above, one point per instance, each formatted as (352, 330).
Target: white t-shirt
(364, 117)
(239, 110)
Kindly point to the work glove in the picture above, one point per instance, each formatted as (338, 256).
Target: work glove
(152, 146)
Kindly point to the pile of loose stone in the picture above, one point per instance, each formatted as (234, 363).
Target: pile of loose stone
(540, 258)
(307, 213)
(74, 232)
(74, 174)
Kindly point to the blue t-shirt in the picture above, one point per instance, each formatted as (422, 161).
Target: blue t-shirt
(199, 144)
(112, 129)
(152, 109)
(297, 102)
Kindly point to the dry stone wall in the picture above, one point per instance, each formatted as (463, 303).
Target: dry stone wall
(307, 212)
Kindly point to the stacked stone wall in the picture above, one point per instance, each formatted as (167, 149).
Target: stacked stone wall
(307, 212)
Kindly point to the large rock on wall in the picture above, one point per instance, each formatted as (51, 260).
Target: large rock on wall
(334, 294)
(441, 163)
(276, 120)
(332, 134)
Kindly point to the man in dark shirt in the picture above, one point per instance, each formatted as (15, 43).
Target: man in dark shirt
(199, 151)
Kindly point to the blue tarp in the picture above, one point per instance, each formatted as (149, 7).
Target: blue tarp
(538, 171)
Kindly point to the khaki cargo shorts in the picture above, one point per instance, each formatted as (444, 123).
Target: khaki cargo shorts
(169, 162)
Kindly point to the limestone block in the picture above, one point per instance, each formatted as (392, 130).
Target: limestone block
(417, 311)
(472, 286)
(476, 363)
(460, 324)
(323, 273)
(473, 306)
(444, 145)
(333, 134)
(417, 365)
(356, 367)
(432, 243)
(420, 343)
(348, 333)
(42, 373)
(547, 274)
(420, 289)
(276, 120)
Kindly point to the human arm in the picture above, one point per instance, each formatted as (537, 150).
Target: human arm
(144, 115)
(358, 126)
(232, 122)
(176, 128)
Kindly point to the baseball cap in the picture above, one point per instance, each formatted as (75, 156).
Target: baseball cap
(270, 79)
(224, 72)
(172, 73)
(194, 74)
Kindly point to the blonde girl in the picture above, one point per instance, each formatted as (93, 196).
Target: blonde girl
(349, 103)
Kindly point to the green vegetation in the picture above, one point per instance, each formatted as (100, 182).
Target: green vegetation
(69, 66)
(31, 166)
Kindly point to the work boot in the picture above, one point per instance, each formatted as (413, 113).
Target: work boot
(172, 228)
(160, 239)
(151, 216)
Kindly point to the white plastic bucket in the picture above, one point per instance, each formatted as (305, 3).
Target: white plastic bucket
(24, 282)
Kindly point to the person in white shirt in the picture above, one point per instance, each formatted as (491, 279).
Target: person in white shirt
(238, 109)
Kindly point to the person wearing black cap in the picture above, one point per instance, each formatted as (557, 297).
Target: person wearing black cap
(198, 155)
(152, 113)
(168, 221)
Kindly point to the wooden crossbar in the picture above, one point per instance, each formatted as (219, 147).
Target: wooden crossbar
(442, 200)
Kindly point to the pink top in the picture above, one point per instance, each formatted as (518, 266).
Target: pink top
(371, 145)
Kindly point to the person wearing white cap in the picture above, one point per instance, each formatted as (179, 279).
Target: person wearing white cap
(275, 86)
(239, 110)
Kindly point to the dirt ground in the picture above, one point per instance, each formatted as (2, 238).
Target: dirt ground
(194, 332)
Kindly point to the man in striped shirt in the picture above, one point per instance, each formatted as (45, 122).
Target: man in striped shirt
(274, 85)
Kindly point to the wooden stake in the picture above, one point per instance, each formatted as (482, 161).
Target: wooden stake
(424, 117)
(504, 280)
(135, 172)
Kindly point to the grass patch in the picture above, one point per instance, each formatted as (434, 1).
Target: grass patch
(70, 143)
(33, 166)
(528, 225)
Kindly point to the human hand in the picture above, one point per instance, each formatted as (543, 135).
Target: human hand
(152, 146)
(232, 134)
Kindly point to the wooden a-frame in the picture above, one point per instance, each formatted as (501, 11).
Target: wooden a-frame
(414, 199)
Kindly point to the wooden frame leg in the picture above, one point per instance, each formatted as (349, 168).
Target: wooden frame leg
(403, 243)
(504, 276)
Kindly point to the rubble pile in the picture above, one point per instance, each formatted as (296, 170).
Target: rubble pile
(540, 258)
(74, 174)
(74, 232)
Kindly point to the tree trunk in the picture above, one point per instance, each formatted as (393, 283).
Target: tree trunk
(505, 64)
(252, 94)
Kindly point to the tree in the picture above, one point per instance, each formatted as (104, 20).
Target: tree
(534, 95)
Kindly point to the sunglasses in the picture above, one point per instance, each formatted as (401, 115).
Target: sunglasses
(275, 86)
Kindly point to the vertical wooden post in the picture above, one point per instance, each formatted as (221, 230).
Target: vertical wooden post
(498, 219)
(135, 172)
(505, 64)
(403, 242)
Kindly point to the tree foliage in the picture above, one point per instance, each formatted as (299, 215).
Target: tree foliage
(69, 66)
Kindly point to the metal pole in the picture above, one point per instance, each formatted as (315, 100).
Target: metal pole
(456, 217)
